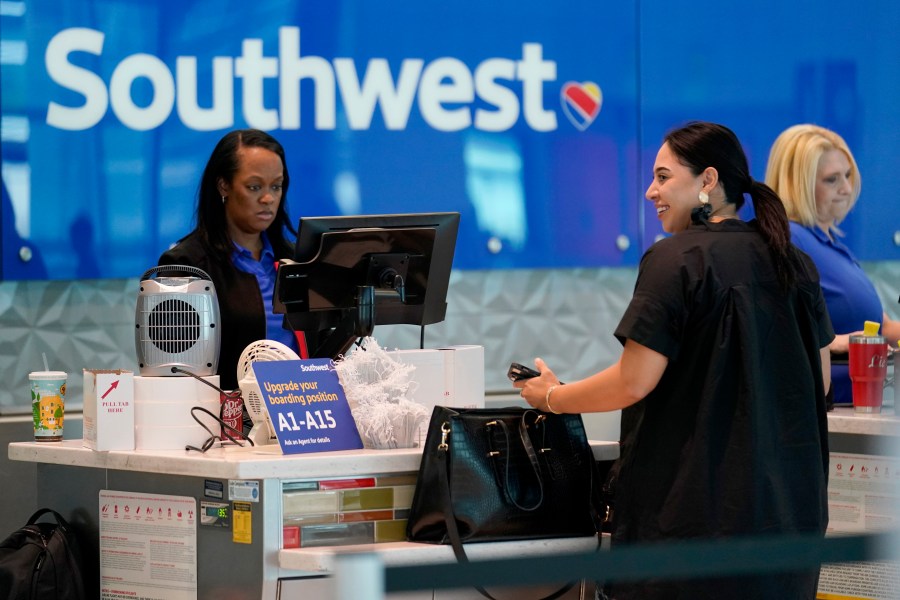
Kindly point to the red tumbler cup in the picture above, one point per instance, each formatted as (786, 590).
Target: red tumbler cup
(868, 370)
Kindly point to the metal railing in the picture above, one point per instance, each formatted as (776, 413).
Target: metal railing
(363, 576)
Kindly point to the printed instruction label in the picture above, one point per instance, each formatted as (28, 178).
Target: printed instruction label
(863, 496)
(148, 546)
(242, 520)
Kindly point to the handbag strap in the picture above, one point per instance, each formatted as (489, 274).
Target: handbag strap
(599, 506)
(532, 458)
(453, 530)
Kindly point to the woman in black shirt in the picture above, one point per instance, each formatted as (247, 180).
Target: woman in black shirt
(721, 378)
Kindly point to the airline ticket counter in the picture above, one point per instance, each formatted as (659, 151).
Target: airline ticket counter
(243, 523)
(269, 526)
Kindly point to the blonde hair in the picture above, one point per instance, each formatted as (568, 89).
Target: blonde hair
(793, 163)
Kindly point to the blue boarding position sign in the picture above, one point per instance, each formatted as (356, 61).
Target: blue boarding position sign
(307, 405)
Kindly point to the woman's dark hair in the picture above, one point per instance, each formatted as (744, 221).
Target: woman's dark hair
(699, 145)
(222, 165)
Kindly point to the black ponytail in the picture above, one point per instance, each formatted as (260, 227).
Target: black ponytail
(773, 226)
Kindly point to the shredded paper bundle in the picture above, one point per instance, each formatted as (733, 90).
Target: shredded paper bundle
(378, 389)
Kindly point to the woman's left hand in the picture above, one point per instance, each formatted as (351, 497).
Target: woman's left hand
(534, 390)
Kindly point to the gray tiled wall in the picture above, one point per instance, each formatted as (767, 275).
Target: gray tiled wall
(564, 316)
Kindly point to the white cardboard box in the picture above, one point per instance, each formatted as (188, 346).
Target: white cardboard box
(465, 367)
(452, 376)
(430, 382)
(108, 409)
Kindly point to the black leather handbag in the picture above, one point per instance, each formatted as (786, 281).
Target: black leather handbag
(504, 474)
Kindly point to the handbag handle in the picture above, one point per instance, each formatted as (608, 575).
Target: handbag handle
(532, 459)
(450, 518)
(601, 497)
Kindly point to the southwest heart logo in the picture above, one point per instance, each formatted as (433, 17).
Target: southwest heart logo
(581, 102)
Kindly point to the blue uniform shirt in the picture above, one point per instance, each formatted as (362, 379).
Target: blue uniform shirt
(849, 294)
(264, 271)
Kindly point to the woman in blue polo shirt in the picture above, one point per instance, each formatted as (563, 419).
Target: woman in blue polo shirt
(813, 171)
(241, 232)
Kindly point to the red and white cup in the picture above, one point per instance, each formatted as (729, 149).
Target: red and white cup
(868, 370)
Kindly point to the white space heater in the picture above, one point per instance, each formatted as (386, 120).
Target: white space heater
(177, 322)
(262, 432)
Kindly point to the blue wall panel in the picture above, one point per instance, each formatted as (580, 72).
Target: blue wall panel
(109, 115)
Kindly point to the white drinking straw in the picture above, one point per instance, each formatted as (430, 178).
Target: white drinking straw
(46, 365)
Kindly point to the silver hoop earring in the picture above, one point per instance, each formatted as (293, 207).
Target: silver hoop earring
(223, 199)
(704, 198)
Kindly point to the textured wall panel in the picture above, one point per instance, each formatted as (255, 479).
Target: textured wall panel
(78, 324)
(564, 316)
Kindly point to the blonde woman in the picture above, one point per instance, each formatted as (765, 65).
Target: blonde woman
(813, 172)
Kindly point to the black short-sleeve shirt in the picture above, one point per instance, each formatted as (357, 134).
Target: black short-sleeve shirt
(733, 440)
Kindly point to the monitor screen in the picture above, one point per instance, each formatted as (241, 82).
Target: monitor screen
(351, 273)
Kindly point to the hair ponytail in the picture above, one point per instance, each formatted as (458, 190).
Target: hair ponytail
(773, 226)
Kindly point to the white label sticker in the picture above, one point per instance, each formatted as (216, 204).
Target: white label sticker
(247, 491)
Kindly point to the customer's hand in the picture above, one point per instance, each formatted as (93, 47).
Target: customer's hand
(534, 390)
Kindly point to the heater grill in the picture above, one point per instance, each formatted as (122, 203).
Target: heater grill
(174, 325)
(176, 322)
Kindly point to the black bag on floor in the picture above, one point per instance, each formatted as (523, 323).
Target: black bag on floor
(41, 561)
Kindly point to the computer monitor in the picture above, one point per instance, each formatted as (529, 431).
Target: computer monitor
(350, 273)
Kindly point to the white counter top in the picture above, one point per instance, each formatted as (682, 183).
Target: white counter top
(267, 462)
(240, 463)
(844, 419)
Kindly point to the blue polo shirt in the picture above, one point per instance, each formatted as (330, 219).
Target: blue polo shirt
(849, 294)
(264, 271)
